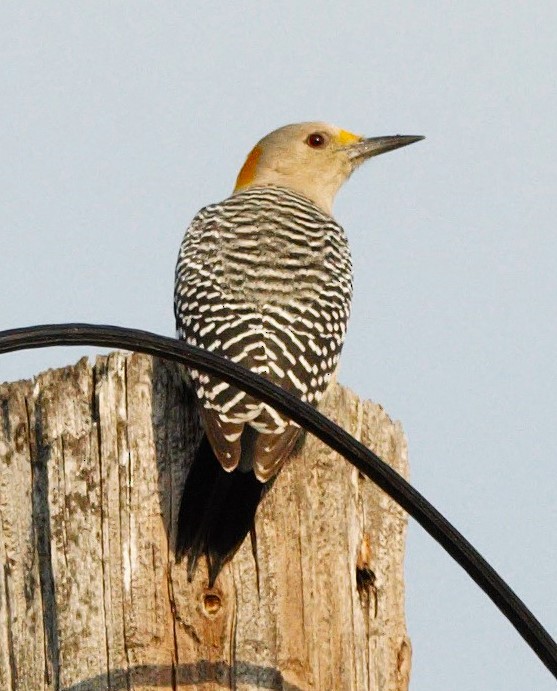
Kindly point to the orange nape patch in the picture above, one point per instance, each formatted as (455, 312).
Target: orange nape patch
(247, 175)
(345, 138)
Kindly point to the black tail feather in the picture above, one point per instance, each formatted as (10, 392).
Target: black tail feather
(217, 511)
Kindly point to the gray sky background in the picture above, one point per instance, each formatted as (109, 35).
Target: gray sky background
(119, 120)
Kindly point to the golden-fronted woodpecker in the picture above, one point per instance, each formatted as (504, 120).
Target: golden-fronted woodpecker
(263, 278)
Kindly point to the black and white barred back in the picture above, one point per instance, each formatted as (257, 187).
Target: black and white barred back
(265, 279)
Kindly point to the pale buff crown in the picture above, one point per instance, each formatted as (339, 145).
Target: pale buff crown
(311, 158)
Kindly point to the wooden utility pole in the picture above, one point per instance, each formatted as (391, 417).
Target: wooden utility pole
(92, 463)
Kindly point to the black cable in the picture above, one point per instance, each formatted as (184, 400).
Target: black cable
(331, 434)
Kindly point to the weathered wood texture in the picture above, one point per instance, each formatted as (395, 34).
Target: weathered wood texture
(92, 461)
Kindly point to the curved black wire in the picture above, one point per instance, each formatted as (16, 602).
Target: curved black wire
(331, 434)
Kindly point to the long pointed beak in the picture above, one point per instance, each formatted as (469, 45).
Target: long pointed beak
(366, 148)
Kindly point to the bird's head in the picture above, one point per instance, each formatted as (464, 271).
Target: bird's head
(312, 158)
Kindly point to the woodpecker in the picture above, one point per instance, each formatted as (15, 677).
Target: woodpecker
(263, 278)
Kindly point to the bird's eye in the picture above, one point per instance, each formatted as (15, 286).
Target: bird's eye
(316, 140)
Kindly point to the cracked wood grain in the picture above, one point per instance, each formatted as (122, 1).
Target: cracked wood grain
(92, 462)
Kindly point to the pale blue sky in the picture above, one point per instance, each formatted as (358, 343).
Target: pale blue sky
(118, 121)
